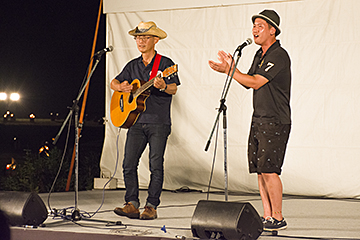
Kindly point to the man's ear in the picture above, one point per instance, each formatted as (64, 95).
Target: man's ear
(156, 39)
(272, 31)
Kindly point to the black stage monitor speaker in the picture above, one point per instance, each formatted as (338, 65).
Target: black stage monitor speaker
(23, 208)
(225, 220)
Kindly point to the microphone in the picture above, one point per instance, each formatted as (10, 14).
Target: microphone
(101, 52)
(247, 42)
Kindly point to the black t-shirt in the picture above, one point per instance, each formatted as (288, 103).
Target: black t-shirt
(158, 103)
(271, 102)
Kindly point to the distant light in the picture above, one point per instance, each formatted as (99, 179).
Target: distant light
(44, 150)
(14, 97)
(54, 116)
(32, 117)
(8, 115)
(12, 165)
(3, 96)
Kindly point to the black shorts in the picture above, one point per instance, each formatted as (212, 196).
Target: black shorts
(267, 145)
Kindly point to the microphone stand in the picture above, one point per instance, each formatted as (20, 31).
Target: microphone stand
(222, 109)
(76, 216)
(75, 110)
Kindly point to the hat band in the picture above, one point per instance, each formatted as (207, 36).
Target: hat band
(269, 19)
(142, 30)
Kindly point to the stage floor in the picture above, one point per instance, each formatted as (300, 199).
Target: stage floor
(308, 218)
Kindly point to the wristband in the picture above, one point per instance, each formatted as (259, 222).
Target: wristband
(164, 89)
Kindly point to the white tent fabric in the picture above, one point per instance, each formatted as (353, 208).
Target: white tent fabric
(322, 38)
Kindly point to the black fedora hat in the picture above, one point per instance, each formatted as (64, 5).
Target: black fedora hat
(271, 17)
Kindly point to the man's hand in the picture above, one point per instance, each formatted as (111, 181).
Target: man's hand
(121, 87)
(159, 83)
(224, 64)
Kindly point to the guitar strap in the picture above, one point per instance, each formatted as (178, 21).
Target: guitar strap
(155, 67)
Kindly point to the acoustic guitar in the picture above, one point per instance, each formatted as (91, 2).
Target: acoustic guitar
(125, 108)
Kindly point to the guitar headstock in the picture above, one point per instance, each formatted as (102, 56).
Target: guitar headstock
(170, 71)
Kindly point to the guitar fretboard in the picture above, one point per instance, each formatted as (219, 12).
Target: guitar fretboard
(166, 73)
(145, 86)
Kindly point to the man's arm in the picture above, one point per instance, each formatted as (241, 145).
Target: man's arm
(255, 82)
(169, 88)
(120, 87)
(246, 80)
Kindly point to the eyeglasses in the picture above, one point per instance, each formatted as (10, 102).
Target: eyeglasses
(144, 39)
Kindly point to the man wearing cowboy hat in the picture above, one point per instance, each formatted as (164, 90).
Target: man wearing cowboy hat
(153, 126)
(270, 78)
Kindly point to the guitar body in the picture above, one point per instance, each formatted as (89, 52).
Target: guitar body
(125, 109)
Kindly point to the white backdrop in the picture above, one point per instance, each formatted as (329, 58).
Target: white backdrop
(322, 38)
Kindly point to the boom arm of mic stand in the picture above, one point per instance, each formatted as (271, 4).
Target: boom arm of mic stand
(77, 99)
(223, 99)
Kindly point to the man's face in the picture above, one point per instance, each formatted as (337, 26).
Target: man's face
(262, 31)
(146, 43)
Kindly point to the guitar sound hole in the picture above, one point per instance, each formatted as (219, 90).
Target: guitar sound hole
(131, 98)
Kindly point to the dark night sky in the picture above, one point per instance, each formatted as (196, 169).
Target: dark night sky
(45, 49)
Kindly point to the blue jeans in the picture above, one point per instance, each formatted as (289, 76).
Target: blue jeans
(138, 136)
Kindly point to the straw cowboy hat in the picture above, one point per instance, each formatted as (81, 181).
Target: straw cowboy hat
(271, 17)
(148, 28)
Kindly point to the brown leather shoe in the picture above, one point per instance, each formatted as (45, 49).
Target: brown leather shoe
(128, 210)
(148, 214)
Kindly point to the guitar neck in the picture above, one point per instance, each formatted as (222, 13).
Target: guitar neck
(166, 73)
(145, 86)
